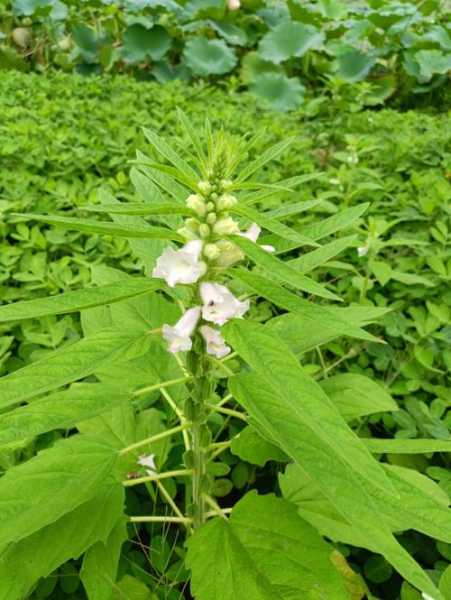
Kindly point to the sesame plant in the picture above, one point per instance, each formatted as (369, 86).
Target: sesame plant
(182, 365)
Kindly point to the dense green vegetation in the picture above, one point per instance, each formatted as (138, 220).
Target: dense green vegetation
(65, 138)
(282, 51)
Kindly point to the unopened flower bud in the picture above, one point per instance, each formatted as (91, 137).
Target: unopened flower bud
(188, 234)
(211, 218)
(210, 206)
(214, 196)
(226, 184)
(204, 230)
(226, 201)
(204, 187)
(229, 253)
(226, 226)
(211, 251)
(192, 224)
(196, 203)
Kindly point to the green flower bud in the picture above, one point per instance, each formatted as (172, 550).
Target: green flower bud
(192, 224)
(188, 234)
(210, 206)
(204, 230)
(204, 187)
(214, 196)
(226, 226)
(229, 253)
(211, 218)
(226, 184)
(226, 201)
(196, 203)
(211, 251)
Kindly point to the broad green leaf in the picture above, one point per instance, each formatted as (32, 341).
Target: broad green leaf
(135, 208)
(278, 91)
(66, 365)
(131, 588)
(354, 65)
(432, 62)
(141, 43)
(107, 228)
(61, 410)
(267, 156)
(400, 446)
(272, 225)
(250, 446)
(308, 262)
(38, 555)
(355, 395)
(77, 300)
(289, 39)
(280, 270)
(445, 583)
(301, 328)
(53, 483)
(297, 402)
(209, 57)
(100, 563)
(254, 556)
(422, 505)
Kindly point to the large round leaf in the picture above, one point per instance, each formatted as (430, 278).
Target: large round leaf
(209, 57)
(289, 39)
(354, 65)
(253, 65)
(277, 90)
(141, 43)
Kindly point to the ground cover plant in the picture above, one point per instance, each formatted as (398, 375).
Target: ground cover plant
(354, 154)
(282, 51)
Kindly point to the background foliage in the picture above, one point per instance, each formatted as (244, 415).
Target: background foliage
(282, 51)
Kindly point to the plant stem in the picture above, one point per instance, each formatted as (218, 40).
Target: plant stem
(160, 386)
(198, 473)
(158, 519)
(228, 411)
(154, 438)
(157, 476)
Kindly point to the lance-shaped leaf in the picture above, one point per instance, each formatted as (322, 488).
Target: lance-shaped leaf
(280, 270)
(272, 225)
(315, 258)
(138, 209)
(61, 410)
(77, 300)
(100, 563)
(66, 365)
(53, 483)
(288, 210)
(106, 228)
(38, 555)
(165, 150)
(275, 417)
(299, 401)
(254, 556)
(270, 154)
(300, 330)
(321, 228)
(355, 395)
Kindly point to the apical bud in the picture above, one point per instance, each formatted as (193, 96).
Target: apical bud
(211, 218)
(210, 206)
(196, 203)
(226, 201)
(226, 184)
(226, 226)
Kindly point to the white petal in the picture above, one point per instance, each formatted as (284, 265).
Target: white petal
(149, 463)
(179, 335)
(268, 248)
(252, 232)
(216, 345)
(220, 304)
(180, 266)
(362, 250)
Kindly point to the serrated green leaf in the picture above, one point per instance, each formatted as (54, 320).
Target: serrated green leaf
(36, 556)
(246, 555)
(53, 483)
(107, 228)
(356, 395)
(66, 365)
(61, 410)
(400, 446)
(289, 39)
(280, 270)
(77, 300)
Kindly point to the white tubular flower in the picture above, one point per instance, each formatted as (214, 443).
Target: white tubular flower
(226, 226)
(220, 305)
(179, 335)
(253, 233)
(216, 345)
(180, 266)
(233, 4)
(196, 203)
(149, 463)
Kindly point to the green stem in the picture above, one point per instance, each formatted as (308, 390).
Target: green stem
(160, 386)
(198, 474)
(154, 438)
(156, 477)
(158, 519)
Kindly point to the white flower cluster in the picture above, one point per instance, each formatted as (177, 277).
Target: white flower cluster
(205, 246)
